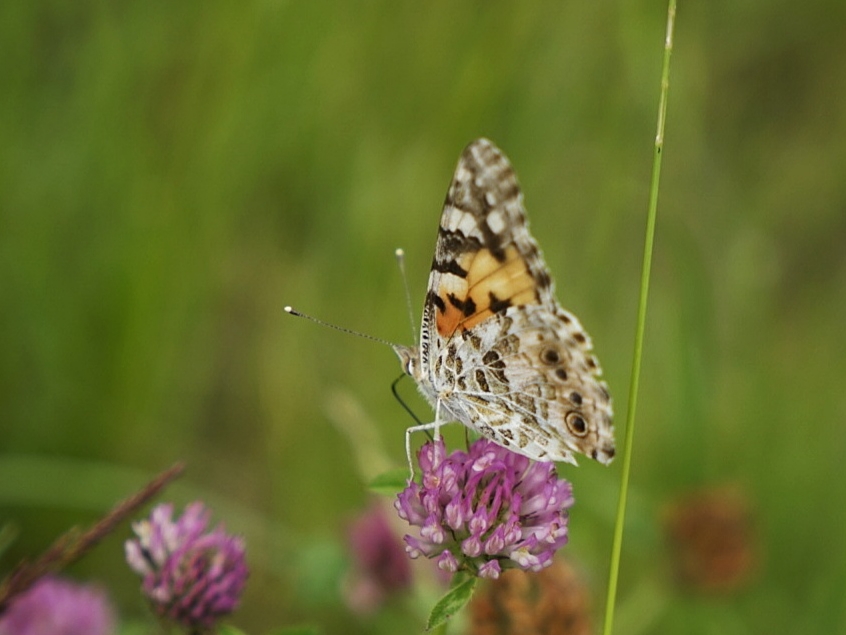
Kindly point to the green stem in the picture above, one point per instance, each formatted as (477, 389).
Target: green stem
(439, 630)
(617, 545)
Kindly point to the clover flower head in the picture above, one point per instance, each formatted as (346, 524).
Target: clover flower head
(190, 575)
(555, 600)
(380, 568)
(485, 510)
(59, 607)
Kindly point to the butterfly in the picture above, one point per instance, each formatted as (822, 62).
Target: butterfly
(497, 352)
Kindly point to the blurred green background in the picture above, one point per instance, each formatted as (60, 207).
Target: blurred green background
(173, 174)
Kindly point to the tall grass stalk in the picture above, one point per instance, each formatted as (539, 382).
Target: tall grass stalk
(617, 544)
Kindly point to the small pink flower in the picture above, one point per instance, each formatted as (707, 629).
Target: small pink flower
(59, 607)
(485, 510)
(380, 566)
(190, 576)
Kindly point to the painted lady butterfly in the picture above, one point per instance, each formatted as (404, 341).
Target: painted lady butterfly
(497, 352)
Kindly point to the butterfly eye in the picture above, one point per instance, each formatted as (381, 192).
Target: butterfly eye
(407, 360)
(576, 424)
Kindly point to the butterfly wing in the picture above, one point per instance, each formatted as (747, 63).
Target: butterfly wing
(496, 348)
(528, 380)
(485, 260)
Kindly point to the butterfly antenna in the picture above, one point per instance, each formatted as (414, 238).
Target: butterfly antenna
(293, 311)
(400, 254)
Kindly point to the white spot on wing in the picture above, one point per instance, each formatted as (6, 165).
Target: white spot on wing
(453, 218)
(467, 224)
(450, 283)
(496, 222)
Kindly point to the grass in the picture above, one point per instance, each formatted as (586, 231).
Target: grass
(172, 176)
(640, 329)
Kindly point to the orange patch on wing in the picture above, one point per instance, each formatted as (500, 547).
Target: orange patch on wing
(488, 280)
(448, 321)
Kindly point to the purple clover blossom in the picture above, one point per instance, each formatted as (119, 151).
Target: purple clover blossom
(59, 607)
(380, 568)
(190, 576)
(485, 510)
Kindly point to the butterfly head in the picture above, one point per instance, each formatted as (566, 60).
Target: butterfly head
(409, 359)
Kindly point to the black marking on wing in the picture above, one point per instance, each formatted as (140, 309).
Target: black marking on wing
(455, 242)
(435, 299)
(491, 240)
(449, 266)
(467, 307)
(496, 305)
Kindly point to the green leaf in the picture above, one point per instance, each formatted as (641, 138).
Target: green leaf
(451, 603)
(226, 629)
(391, 482)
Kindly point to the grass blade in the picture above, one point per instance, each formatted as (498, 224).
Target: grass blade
(617, 544)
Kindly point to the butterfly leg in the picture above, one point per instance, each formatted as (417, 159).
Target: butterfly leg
(434, 425)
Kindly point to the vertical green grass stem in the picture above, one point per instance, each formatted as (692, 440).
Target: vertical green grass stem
(617, 544)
